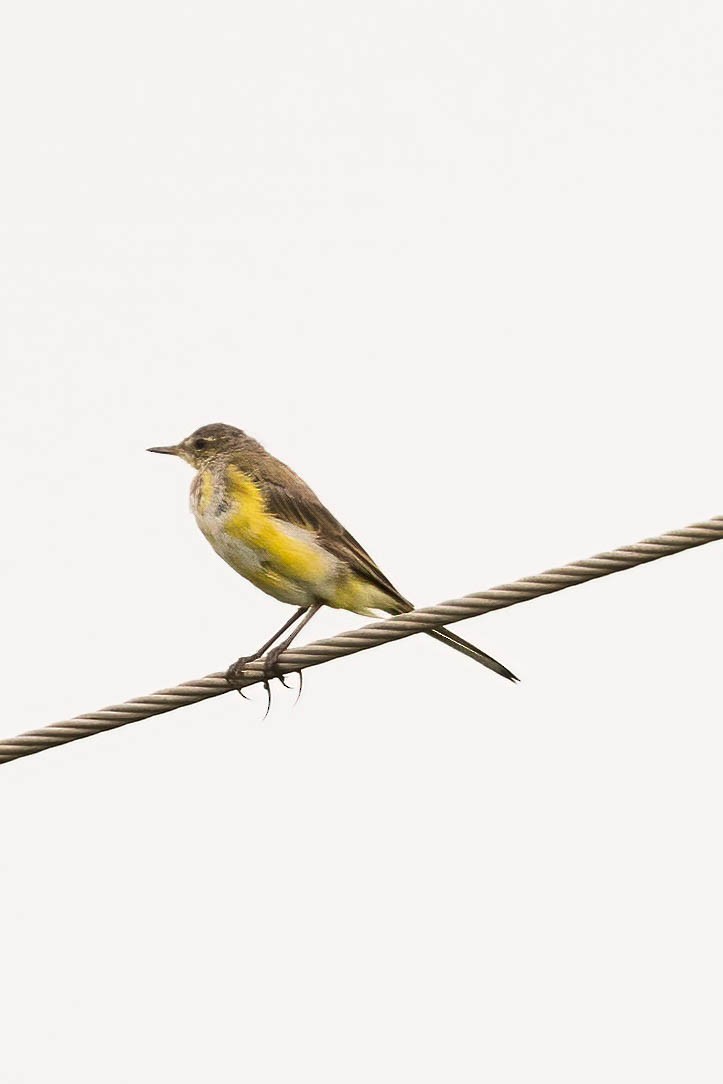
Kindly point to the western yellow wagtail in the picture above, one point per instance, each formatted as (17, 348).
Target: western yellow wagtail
(272, 529)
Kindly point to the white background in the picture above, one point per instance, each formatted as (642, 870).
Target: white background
(460, 265)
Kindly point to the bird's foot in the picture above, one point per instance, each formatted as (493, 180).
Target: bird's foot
(236, 673)
(271, 671)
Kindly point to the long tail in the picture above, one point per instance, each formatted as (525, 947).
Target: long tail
(452, 640)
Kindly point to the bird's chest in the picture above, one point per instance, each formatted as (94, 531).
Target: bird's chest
(281, 558)
(222, 520)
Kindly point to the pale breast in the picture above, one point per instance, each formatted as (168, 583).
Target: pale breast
(210, 506)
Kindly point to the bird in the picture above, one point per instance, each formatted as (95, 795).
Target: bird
(271, 528)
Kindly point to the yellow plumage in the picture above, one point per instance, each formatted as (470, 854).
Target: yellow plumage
(249, 521)
(286, 560)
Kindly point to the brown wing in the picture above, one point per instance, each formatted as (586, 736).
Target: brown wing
(290, 499)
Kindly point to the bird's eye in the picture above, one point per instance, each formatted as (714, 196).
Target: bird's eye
(200, 443)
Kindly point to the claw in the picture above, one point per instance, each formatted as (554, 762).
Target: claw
(268, 693)
(271, 668)
(271, 672)
(301, 686)
(235, 674)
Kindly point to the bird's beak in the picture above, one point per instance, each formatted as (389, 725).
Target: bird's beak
(171, 449)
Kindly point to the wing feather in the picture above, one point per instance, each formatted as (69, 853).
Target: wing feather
(289, 498)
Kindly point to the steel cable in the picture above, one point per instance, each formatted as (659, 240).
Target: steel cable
(368, 636)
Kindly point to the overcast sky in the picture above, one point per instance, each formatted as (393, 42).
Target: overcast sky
(460, 265)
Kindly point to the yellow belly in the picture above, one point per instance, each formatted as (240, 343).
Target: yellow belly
(283, 559)
(280, 558)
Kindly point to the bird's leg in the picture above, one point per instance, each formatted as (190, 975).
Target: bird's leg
(235, 672)
(271, 660)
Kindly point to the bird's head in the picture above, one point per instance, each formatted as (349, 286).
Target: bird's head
(205, 444)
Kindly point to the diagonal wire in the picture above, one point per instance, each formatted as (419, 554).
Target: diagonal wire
(380, 632)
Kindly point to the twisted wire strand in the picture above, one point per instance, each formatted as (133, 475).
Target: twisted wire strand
(373, 635)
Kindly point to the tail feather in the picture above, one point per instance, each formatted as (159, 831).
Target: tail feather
(400, 604)
(452, 640)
